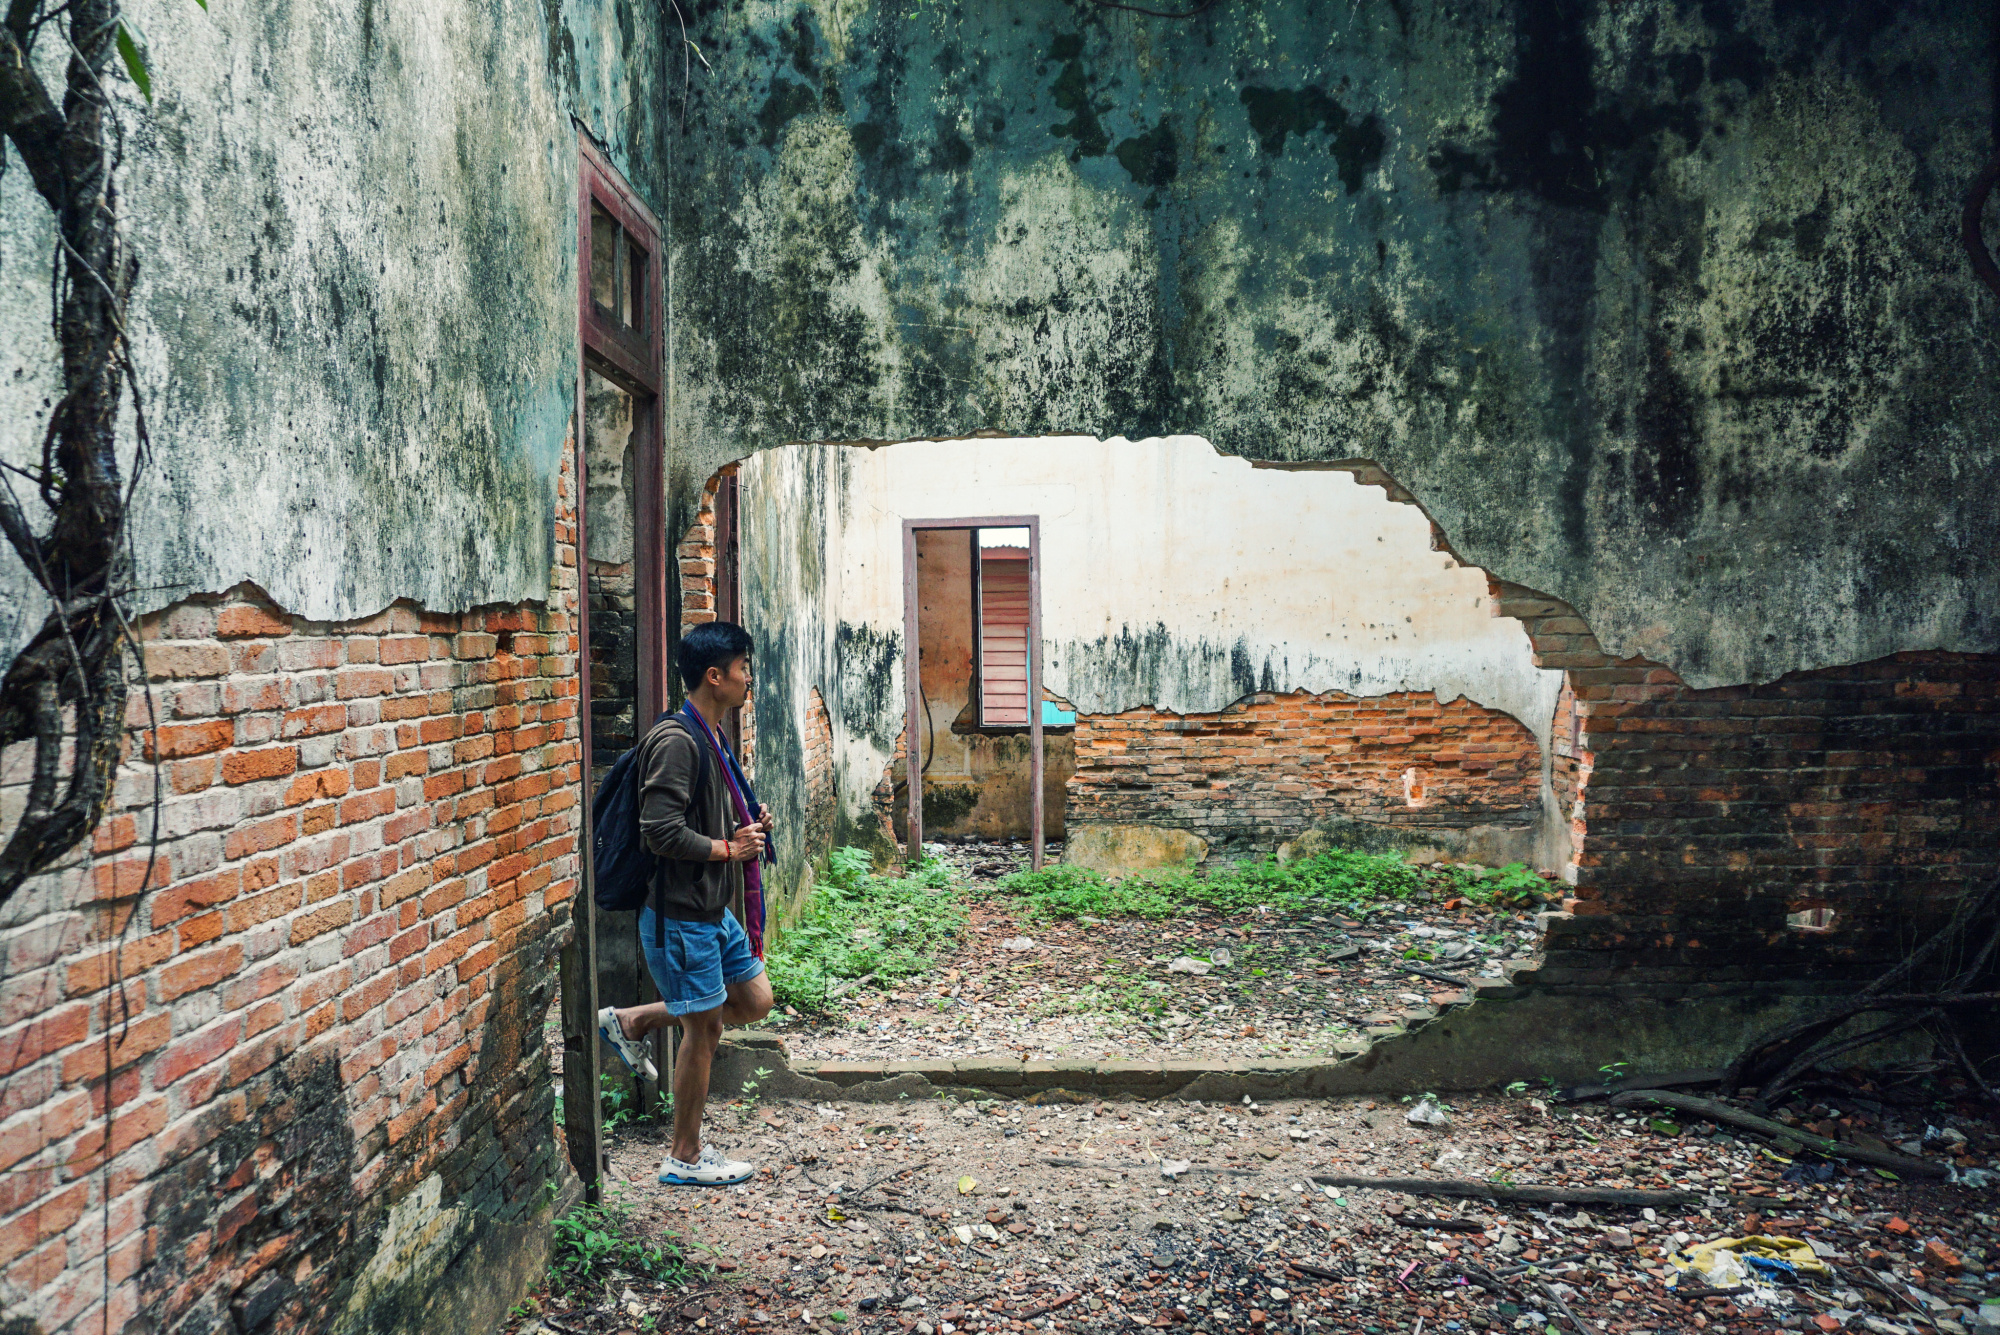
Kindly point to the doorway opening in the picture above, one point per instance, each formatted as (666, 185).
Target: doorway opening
(621, 558)
(972, 624)
(1242, 674)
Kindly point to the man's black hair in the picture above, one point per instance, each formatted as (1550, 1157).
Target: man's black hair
(711, 644)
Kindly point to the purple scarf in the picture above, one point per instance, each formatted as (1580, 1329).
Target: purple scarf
(745, 800)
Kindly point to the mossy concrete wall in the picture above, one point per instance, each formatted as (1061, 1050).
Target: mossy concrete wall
(1657, 306)
(355, 319)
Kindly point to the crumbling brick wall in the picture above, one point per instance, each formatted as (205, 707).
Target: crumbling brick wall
(614, 663)
(820, 795)
(1709, 816)
(696, 557)
(1569, 766)
(1271, 766)
(323, 1002)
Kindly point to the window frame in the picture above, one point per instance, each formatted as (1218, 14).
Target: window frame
(981, 724)
(633, 359)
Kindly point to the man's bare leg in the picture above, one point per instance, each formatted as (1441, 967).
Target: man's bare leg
(701, 1033)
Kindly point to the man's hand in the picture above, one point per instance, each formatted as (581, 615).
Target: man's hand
(765, 820)
(747, 845)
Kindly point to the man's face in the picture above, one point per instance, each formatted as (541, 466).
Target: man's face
(731, 684)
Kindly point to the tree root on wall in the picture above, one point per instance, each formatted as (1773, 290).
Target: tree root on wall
(1936, 987)
(66, 690)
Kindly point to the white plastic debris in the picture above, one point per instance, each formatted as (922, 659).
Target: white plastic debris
(1173, 1168)
(1221, 957)
(1188, 964)
(1723, 1269)
(1427, 1113)
(1018, 943)
(963, 1232)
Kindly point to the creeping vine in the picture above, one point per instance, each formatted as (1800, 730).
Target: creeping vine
(66, 690)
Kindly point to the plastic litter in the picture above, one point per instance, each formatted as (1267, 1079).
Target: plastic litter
(1726, 1262)
(1811, 1172)
(1427, 1113)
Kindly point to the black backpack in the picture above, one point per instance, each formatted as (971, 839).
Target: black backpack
(620, 861)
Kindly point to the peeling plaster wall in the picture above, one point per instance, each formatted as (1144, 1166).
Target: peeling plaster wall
(355, 319)
(1172, 577)
(1656, 306)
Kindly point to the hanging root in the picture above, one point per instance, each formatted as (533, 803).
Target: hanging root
(1779, 1061)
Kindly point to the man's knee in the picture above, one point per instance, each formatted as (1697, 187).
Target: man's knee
(754, 998)
(703, 1027)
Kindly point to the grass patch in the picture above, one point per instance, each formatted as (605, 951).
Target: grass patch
(592, 1241)
(857, 923)
(1338, 878)
(1516, 885)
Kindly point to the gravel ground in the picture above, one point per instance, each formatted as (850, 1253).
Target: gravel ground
(1088, 988)
(857, 1222)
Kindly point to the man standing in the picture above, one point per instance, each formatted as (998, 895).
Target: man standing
(698, 815)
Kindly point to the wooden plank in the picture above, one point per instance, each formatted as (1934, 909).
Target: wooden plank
(912, 682)
(1034, 710)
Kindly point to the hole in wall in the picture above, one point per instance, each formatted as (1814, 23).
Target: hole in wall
(1819, 918)
(1170, 733)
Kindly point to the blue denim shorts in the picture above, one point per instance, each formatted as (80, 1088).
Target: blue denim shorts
(699, 962)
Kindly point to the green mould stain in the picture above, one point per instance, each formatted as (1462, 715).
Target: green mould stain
(1356, 142)
(1072, 94)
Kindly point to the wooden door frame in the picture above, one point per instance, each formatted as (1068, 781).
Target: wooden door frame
(913, 667)
(635, 364)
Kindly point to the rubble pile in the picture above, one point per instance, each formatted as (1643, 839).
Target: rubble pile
(938, 1217)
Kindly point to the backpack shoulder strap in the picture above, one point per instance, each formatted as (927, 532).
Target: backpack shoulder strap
(657, 735)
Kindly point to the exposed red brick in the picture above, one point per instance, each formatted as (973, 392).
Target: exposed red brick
(245, 620)
(1270, 766)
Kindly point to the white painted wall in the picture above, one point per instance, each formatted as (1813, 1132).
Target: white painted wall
(1172, 577)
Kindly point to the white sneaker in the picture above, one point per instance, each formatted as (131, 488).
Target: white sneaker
(631, 1050)
(710, 1169)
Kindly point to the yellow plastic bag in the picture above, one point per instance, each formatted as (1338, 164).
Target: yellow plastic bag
(1719, 1263)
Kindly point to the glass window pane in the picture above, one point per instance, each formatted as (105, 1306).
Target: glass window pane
(604, 257)
(635, 301)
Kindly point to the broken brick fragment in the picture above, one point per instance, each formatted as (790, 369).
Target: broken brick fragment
(1941, 1256)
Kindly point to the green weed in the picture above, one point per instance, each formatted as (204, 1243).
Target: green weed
(619, 1104)
(593, 1240)
(858, 923)
(1515, 885)
(1120, 991)
(1338, 878)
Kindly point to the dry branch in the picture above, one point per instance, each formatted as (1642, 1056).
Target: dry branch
(1781, 1058)
(1497, 1191)
(1832, 1149)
